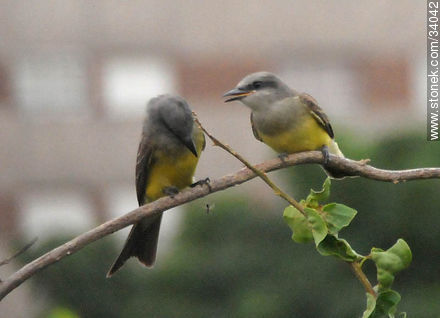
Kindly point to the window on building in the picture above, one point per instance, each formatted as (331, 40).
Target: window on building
(53, 213)
(51, 83)
(129, 82)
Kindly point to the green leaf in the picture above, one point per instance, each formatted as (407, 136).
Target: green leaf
(371, 304)
(317, 223)
(337, 216)
(337, 247)
(386, 303)
(61, 312)
(297, 222)
(384, 306)
(315, 197)
(391, 261)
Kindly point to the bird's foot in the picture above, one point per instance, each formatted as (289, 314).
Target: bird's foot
(325, 154)
(283, 156)
(202, 182)
(171, 191)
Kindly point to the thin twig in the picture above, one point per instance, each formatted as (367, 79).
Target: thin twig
(357, 270)
(21, 251)
(243, 175)
(277, 190)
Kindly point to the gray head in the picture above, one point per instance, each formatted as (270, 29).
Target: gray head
(171, 114)
(259, 90)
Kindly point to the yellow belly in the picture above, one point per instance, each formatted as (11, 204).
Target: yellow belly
(173, 171)
(308, 135)
(170, 172)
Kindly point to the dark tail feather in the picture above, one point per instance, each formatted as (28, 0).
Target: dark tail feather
(336, 173)
(141, 243)
(333, 172)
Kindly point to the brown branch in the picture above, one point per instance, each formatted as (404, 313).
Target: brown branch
(243, 175)
(357, 270)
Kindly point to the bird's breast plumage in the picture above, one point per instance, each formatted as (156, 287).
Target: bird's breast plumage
(172, 166)
(289, 127)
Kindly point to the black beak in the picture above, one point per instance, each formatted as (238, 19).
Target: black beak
(191, 146)
(237, 94)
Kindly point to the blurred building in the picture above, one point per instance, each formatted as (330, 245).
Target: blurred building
(75, 76)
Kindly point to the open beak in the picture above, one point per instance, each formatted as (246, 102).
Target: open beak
(237, 94)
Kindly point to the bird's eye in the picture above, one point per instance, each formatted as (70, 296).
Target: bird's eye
(257, 84)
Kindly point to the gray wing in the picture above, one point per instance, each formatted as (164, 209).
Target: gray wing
(143, 162)
(317, 113)
(254, 130)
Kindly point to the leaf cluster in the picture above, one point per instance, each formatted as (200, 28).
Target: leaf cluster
(322, 224)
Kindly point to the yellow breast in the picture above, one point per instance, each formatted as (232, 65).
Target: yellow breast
(305, 136)
(172, 171)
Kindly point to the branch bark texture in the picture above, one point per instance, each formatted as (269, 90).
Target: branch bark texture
(243, 175)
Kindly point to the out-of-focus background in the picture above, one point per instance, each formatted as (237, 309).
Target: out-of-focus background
(75, 77)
